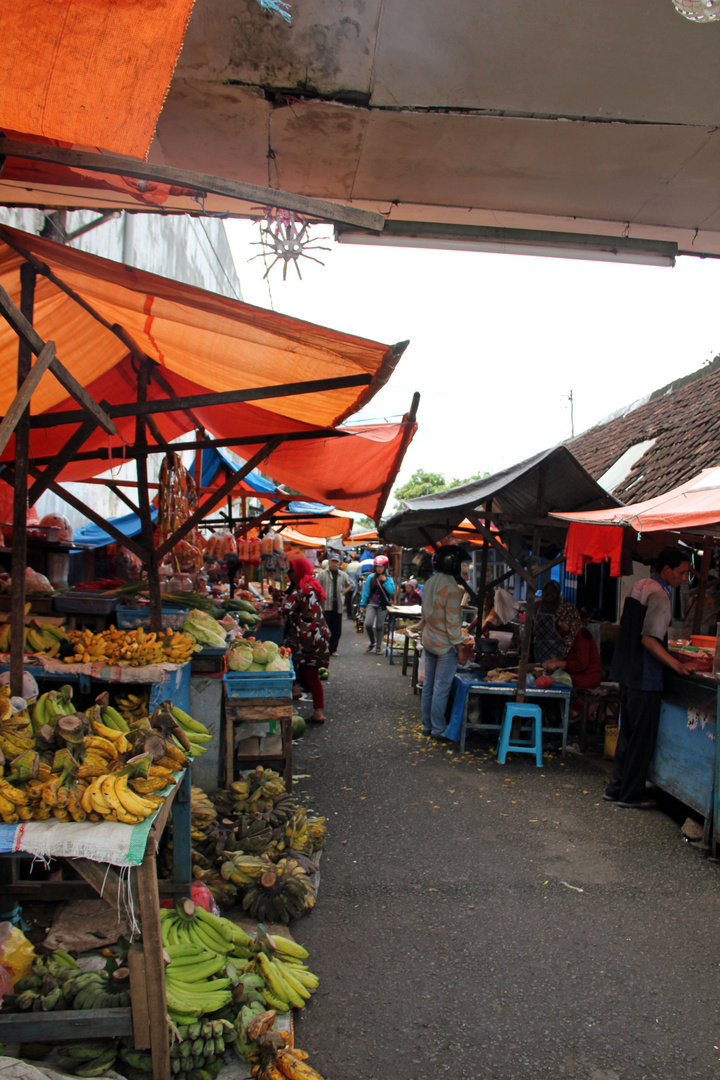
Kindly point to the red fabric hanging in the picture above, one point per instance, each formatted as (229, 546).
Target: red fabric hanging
(593, 544)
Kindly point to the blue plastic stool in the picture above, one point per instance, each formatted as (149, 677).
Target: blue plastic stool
(533, 745)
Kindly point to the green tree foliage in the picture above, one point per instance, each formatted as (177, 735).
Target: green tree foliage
(427, 483)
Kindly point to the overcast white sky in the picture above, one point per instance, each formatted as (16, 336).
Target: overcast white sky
(497, 342)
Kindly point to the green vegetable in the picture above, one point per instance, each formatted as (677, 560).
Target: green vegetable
(205, 629)
(298, 727)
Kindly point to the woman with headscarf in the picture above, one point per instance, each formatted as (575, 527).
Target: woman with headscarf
(306, 632)
(557, 621)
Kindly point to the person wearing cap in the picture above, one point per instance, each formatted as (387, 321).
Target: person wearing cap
(336, 585)
(410, 594)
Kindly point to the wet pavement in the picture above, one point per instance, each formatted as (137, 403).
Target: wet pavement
(494, 922)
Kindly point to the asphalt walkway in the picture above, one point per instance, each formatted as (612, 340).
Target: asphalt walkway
(494, 922)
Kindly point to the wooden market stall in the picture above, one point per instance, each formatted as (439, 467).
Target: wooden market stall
(513, 512)
(687, 755)
(146, 361)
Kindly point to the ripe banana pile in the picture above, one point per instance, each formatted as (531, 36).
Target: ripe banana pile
(273, 1056)
(133, 706)
(77, 766)
(39, 638)
(130, 648)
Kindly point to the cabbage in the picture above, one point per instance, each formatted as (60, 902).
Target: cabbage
(256, 667)
(272, 650)
(280, 663)
(260, 653)
(239, 659)
(205, 629)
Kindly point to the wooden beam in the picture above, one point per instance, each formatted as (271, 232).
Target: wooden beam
(205, 401)
(702, 587)
(217, 497)
(24, 329)
(53, 470)
(18, 557)
(153, 560)
(117, 491)
(199, 183)
(22, 398)
(88, 512)
(507, 557)
(528, 625)
(124, 453)
(70, 1024)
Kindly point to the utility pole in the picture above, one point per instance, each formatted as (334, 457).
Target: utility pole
(572, 415)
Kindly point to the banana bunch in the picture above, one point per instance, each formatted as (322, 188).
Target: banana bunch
(133, 707)
(245, 869)
(283, 892)
(56, 984)
(41, 638)
(272, 1055)
(255, 793)
(317, 833)
(109, 796)
(281, 963)
(50, 706)
(198, 944)
(91, 1057)
(196, 733)
(129, 648)
(202, 813)
(196, 1051)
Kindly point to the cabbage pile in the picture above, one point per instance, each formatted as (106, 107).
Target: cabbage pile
(250, 655)
(206, 630)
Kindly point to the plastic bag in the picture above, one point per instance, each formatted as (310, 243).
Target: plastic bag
(16, 952)
(37, 584)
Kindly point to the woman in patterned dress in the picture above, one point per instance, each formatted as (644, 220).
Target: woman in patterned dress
(306, 632)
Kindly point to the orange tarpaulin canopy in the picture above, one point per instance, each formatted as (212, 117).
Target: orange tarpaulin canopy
(692, 507)
(202, 343)
(94, 72)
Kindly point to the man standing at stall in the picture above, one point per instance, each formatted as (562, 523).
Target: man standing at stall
(442, 637)
(336, 585)
(640, 655)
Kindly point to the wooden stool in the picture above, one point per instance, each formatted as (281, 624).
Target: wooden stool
(604, 701)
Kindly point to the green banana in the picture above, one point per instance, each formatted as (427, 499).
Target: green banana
(275, 1003)
(84, 1050)
(198, 972)
(99, 1065)
(288, 946)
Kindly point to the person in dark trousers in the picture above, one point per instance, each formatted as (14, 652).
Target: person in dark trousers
(638, 662)
(377, 593)
(336, 585)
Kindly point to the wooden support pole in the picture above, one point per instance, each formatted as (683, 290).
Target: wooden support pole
(154, 966)
(152, 558)
(18, 558)
(22, 399)
(702, 588)
(481, 585)
(528, 625)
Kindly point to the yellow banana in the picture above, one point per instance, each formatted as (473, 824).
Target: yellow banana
(132, 803)
(105, 746)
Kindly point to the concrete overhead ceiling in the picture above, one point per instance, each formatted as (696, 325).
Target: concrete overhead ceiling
(558, 115)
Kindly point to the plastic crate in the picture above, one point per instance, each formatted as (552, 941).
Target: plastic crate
(84, 604)
(240, 684)
(132, 618)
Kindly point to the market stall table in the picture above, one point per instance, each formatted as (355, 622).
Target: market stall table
(395, 612)
(93, 849)
(471, 682)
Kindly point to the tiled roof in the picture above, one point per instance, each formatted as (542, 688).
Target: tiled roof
(684, 420)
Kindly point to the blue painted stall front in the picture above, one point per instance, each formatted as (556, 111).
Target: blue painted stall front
(173, 686)
(686, 748)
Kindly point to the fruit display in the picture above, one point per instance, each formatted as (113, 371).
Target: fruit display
(40, 637)
(130, 648)
(133, 707)
(246, 831)
(78, 766)
(281, 892)
(56, 983)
